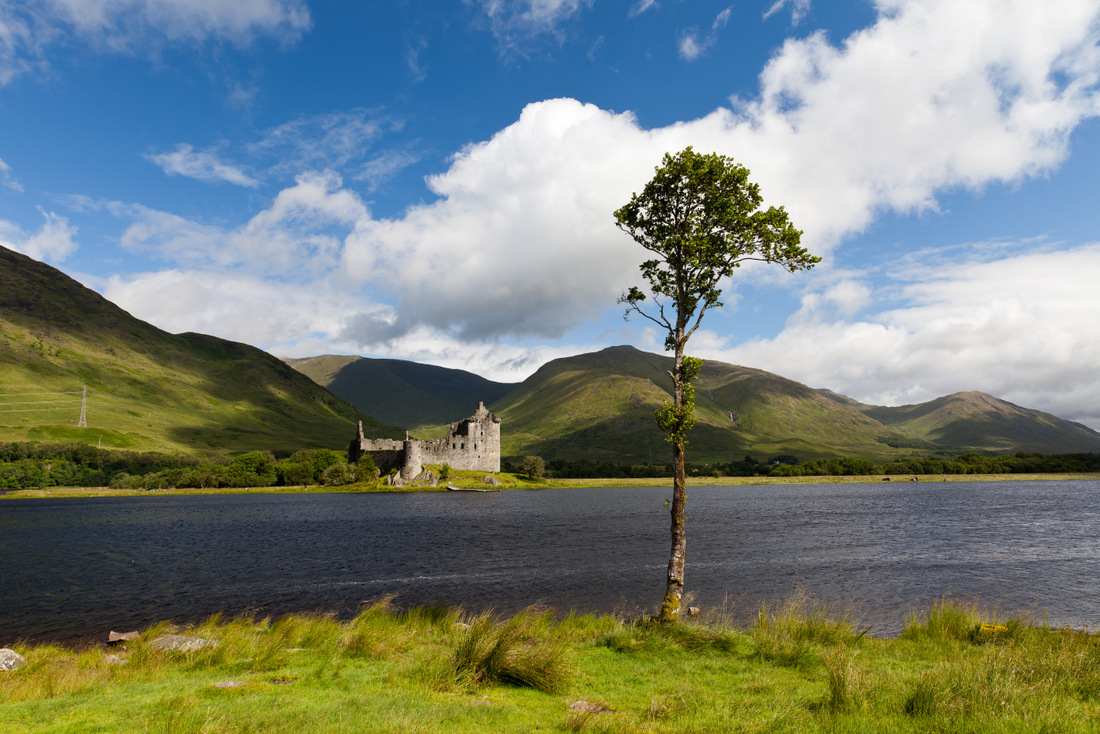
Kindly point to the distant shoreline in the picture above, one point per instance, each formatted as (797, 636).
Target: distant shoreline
(903, 479)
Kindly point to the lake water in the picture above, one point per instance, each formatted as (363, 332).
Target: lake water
(77, 568)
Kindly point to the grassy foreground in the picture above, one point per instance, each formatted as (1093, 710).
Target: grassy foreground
(954, 668)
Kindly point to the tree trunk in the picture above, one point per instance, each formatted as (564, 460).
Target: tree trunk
(674, 590)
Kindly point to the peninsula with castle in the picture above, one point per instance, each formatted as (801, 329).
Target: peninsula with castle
(472, 444)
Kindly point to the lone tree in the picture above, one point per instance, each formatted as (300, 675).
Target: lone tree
(701, 218)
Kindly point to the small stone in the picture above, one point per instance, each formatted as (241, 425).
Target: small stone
(589, 708)
(115, 637)
(11, 660)
(488, 479)
(230, 684)
(694, 611)
(181, 643)
(115, 660)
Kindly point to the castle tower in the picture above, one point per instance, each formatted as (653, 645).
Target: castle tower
(412, 465)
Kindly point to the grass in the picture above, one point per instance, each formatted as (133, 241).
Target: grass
(796, 667)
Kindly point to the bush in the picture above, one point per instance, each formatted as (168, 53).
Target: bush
(337, 474)
(534, 467)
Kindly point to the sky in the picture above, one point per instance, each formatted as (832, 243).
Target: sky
(435, 181)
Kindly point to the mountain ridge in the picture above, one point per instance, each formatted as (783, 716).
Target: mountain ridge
(600, 405)
(146, 388)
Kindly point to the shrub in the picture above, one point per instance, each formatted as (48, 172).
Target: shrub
(337, 474)
(534, 467)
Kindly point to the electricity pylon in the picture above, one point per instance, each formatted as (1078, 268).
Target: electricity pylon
(83, 422)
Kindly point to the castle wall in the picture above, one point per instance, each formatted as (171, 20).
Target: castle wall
(470, 445)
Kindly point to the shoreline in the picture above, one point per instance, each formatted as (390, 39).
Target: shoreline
(520, 484)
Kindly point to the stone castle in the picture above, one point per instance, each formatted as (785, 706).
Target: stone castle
(471, 445)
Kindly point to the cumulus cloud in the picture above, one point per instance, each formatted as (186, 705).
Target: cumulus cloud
(52, 242)
(27, 30)
(1012, 326)
(203, 165)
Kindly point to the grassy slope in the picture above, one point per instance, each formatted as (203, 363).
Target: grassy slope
(402, 393)
(978, 420)
(147, 389)
(793, 669)
(601, 406)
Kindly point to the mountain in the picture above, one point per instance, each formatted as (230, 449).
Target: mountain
(980, 421)
(599, 406)
(401, 393)
(146, 388)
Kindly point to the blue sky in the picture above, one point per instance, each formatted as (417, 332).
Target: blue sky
(435, 180)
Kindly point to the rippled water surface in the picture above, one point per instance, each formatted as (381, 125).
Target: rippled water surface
(79, 567)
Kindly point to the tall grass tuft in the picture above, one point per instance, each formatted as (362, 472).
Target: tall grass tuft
(376, 632)
(520, 651)
(785, 633)
(948, 619)
(843, 680)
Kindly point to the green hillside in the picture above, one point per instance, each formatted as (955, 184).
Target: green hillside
(600, 406)
(980, 421)
(402, 393)
(146, 388)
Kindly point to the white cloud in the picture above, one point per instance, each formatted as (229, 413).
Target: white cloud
(1021, 327)
(233, 305)
(691, 46)
(640, 7)
(522, 241)
(53, 241)
(385, 165)
(203, 165)
(799, 9)
(122, 23)
(326, 141)
(7, 180)
(28, 30)
(514, 22)
(413, 49)
(298, 236)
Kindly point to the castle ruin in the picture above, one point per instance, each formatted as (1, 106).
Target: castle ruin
(471, 445)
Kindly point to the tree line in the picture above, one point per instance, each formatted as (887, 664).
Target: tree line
(33, 465)
(786, 465)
